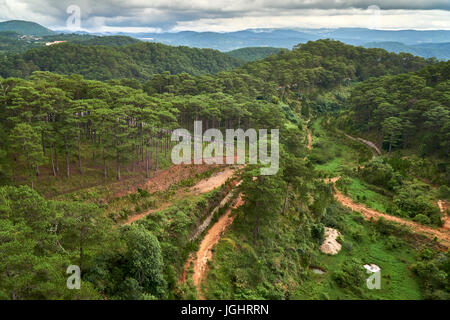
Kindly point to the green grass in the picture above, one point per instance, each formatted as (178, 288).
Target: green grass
(334, 152)
(359, 191)
(278, 265)
(397, 281)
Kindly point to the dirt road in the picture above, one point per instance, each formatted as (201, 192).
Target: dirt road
(201, 187)
(204, 253)
(442, 234)
(444, 206)
(309, 140)
(213, 182)
(375, 150)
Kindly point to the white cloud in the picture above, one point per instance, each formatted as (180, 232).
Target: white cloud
(226, 15)
(388, 19)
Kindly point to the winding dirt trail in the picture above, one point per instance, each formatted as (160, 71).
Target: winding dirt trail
(309, 140)
(444, 206)
(442, 234)
(204, 253)
(375, 150)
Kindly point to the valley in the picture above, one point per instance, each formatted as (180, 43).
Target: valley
(88, 176)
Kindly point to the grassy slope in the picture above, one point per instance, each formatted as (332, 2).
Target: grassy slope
(397, 281)
(283, 273)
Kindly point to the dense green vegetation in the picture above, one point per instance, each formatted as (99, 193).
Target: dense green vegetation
(57, 129)
(14, 43)
(139, 61)
(386, 183)
(408, 110)
(254, 53)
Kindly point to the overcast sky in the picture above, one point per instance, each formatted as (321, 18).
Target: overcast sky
(230, 15)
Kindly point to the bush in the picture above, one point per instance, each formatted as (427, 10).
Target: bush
(444, 192)
(410, 200)
(381, 174)
(422, 219)
(348, 246)
(350, 276)
(393, 243)
(317, 232)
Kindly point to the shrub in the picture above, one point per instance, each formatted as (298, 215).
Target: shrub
(350, 276)
(381, 174)
(393, 243)
(422, 219)
(348, 246)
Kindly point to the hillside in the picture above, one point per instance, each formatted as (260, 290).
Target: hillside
(409, 110)
(99, 62)
(328, 63)
(254, 53)
(87, 175)
(12, 42)
(25, 28)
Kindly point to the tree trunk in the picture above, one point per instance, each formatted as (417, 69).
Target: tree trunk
(105, 173)
(118, 166)
(56, 159)
(53, 162)
(67, 164)
(286, 199)
(146, 163)
(156, 155)
(81, 247)
(256, 230)
(79, 155)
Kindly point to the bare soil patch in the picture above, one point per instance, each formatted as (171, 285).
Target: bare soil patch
(330, 244)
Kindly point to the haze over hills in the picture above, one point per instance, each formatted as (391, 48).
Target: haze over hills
(427, 44)
(426, 50)
(288, 38)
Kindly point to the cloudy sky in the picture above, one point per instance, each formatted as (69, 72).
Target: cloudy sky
(228, 15)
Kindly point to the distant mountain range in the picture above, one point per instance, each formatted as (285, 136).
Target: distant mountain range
(426, 50)
(288, 38)
(427, 44)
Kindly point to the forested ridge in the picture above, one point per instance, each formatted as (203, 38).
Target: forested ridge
(99, 62)
(66, 138)
(12, 42)
(408, 110)
(254, 53)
